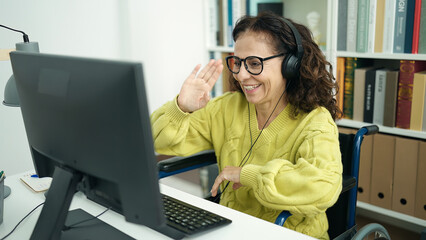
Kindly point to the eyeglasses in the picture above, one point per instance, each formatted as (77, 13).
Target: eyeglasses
(253, 64)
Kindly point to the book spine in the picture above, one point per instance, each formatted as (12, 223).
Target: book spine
(417, 107)
(380, 21)
(391, 94)
(349, 88)
(400, 24)
(352, 25)
(422, 33)
(379, 97)
(408, 43)
(342, 25)
(405, 91)
(389, 26)
(362, 26)
(229, 25)
(340, 78)
(416, 27)
(371, 25)
(213, 22)
(370, 83)
(359, 90)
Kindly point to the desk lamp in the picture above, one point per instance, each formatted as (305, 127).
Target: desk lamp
(11, 98)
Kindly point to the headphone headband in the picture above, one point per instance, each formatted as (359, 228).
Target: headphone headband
(298, 39)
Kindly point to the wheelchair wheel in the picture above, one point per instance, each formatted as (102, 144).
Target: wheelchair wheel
(372, 231)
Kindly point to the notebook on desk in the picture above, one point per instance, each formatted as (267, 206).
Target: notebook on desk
(88, 127)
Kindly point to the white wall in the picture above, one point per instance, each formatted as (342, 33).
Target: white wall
(166, 36)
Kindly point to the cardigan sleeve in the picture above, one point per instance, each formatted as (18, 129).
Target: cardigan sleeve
(307, 186)
(178, 133)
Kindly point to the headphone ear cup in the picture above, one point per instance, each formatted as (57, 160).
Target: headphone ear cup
(290, 67)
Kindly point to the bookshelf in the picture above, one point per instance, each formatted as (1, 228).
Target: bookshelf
(297, 9)
(365, 209)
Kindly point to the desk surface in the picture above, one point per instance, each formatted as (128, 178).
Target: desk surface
(22, 200)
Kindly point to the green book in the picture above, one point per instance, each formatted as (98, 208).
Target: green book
(362, 26)
(348, 99)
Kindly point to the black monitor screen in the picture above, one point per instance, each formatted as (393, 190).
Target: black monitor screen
(88, 126)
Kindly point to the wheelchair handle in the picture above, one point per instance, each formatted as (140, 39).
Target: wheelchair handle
(371, 129)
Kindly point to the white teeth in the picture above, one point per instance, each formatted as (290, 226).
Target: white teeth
(248, 88)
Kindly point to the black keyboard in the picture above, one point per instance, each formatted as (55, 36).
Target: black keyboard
(190, 219)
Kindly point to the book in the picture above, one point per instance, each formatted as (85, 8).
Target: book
(371, 25)
(362, 26)
(359, 93)
(404, 20)
(350, 65)
(352, 25)
(213, 15)
(379, 96)
(422, 32)
(405, 87)
(35, 183)
(370, 85)
(380, 21)
(418, 102)
(416, 26)
(226, 74)
(409, 26)
(342, 25)
(275, 7)
(253, 6)
(391, 95)
(340, 78)
(389, 26)
(229, 26)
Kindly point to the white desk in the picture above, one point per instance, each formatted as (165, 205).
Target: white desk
(22, 200)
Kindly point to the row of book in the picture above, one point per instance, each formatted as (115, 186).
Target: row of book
(392, 173)
(223, 15)
(388, 93)
(382, 26)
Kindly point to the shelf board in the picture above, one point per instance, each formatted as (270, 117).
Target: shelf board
(394, 56)
(384, 215)
(382, 129)
(221, 49)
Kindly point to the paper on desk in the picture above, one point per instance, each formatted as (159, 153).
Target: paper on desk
(37, 184)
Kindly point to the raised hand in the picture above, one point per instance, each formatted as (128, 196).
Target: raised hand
(194, 93)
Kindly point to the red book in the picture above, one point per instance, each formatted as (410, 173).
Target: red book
(407, 68)
(416, 27)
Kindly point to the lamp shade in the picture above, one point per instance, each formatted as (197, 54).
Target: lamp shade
(11, 97)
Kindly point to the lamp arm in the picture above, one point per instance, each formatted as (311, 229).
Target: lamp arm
(26, 38)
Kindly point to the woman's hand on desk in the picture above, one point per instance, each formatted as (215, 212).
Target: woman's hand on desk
(194, 93)
(229, 173)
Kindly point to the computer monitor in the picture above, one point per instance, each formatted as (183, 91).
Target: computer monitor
(88, 127)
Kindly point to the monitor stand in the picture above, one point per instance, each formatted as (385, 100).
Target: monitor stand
(93, 229)
(54, 214)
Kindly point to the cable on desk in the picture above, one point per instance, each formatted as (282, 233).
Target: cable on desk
(21, 221)
(66, 228)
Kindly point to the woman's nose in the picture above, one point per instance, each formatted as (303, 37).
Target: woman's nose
(243, 74)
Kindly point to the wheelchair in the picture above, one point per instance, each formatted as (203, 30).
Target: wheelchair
(341, 216)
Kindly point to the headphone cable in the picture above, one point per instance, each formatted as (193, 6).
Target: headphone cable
(244, 160)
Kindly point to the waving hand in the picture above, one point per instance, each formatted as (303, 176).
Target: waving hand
(194, 93)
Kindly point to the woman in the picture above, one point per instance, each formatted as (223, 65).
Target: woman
(275, 137)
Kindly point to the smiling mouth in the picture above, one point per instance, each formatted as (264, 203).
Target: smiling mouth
(249, 88)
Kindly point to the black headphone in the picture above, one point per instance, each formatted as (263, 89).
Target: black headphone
(290, 68)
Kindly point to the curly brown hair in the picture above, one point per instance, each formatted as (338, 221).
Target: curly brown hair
(316, 85)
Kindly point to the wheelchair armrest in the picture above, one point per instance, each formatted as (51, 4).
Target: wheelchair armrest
(176, 165)
(348, 183)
